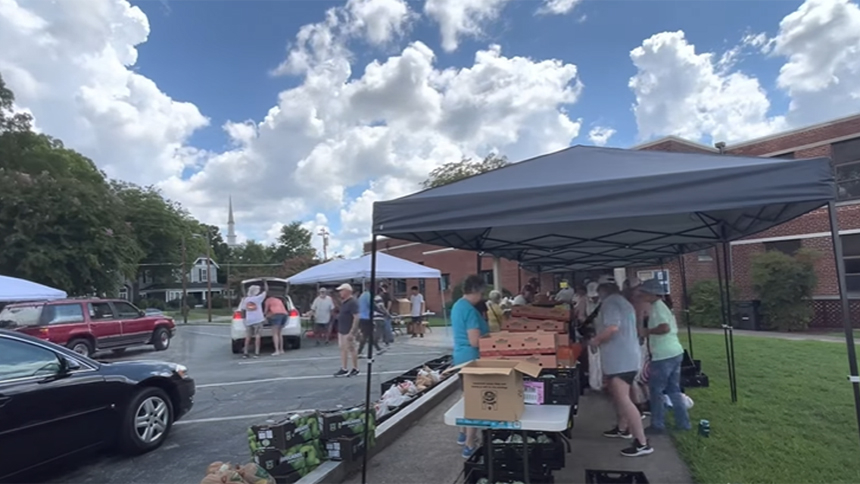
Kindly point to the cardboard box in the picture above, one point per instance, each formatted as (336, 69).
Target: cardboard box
(345, 423)
(519, 324)
(533, 392)
(508, 343)
(295, 429)
(560, 313)
(541, 361)
(493, 389)
(283, 462)
(345, 449)
(404, 307)
(552, 325)
(567, 356)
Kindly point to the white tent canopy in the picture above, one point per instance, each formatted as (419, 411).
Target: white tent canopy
(387, 267)
(13, 289)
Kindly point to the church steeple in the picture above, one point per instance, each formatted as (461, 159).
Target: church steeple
(231, 225)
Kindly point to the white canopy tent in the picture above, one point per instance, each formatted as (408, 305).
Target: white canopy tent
(387, 267)
(13, 289)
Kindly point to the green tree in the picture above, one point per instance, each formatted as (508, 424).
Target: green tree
(784, 284)
(253, 253)
(458, 170)
(294, 242)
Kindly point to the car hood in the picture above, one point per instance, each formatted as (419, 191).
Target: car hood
(139, 370)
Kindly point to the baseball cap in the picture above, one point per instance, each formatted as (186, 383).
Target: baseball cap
(652, 286)
(606, 279)
(591, 289)
(344, 287)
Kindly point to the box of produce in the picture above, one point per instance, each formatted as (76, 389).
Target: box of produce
(346, 422)
(508, 343)
(293, 476)
(546, 450)
(294, 429)
(543, 361)
(346, 449)
(561, 313)
(281, 462)
(560, 386)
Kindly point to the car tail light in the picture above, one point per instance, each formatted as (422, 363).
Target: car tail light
(237, 314)
(294, 313)
(43, 333)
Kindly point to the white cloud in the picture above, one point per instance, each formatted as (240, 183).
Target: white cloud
(70, 63)
(600, 135)
(458, 18)
(696, 95)
(558, 7)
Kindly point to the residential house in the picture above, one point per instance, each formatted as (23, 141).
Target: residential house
(200, 273)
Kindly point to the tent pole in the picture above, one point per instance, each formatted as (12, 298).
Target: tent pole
(685, 306)
(843, 299)
(723, 317)
(444, 309)
(370, 343)
(730, 329)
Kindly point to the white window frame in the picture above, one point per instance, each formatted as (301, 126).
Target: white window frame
(656, 274)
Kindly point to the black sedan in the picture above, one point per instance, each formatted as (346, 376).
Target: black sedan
(55, 404)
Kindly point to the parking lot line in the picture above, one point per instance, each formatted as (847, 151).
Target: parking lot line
(288, 378)
(314, 358)
(237, 417)
(204, 333)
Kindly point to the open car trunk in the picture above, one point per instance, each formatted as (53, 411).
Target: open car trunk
(277, 287)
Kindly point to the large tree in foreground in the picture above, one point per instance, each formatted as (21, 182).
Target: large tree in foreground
(458, 170)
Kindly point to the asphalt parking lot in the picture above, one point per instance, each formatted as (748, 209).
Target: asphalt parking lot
(232, 394)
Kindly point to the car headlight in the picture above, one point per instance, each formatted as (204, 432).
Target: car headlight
(181, 370)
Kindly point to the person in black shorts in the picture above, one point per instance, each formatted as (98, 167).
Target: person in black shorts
(347, 327)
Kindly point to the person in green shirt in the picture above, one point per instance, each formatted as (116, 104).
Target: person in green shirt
(666, 355)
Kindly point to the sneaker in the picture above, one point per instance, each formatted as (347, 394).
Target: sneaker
(361, 356)
(341, 372)
(637, 449)
(615, 433)
(461, 439)
(353, 372)
(468, 451)
(652, 430)
(245, 356)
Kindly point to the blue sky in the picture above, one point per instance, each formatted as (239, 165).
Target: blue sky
(218, 54)
(386, 95)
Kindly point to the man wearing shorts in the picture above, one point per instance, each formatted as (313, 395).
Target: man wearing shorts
(347, 327)
(252, 304)
(417, 324)
(618, 340)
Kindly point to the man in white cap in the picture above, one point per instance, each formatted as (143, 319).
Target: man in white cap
(252, 304)
(620, 359)
(347, 327)
(565, 293)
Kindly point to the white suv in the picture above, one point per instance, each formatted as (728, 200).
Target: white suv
(292, 332)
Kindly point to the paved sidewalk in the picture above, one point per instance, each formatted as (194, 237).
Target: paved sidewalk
(427, 452)
(439, 338)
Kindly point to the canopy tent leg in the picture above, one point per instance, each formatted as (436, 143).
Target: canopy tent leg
(725, 321)
(685, 303)
(731, 326)
(846, 314)
(367, 406)
(444, 308)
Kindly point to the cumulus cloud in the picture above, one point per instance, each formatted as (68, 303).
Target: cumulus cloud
(457, 18)
(558, 7)
(600, 135)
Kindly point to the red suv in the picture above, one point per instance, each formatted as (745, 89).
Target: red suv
(89, 325)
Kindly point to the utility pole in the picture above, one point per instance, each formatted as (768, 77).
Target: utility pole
(184, 286)
(324, 234)
(209, 274)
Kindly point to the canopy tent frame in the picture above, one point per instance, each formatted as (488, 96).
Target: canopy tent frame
(700, 200)
(13, 289)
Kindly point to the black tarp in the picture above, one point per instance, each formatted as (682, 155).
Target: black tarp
(585, 207)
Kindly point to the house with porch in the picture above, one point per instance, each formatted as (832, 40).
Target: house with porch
(200, 274)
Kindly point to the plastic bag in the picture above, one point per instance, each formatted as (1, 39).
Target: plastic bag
(408, 388)
(391, 399)
(688, 402)
(254, 474)
(433, 375)
(595, 373)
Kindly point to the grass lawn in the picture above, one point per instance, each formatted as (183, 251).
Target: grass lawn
(794, 421)
(197, 314)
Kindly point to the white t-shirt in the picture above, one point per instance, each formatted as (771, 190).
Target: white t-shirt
(322, 308)
(253, 307)
(417, 302)
(520, 300)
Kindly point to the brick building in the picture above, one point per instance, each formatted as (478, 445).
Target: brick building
(838, 139)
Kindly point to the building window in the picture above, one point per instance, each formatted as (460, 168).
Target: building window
(400, 287)
(846, 163)
(487, 276)
(445, 282)
(787, 247)
(851, 257)
(660, 275)
(705, 255)
(203, 275)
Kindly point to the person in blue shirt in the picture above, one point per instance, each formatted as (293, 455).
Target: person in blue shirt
(468, 327)
(365, 324)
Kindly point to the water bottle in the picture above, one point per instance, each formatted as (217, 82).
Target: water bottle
(704, 428)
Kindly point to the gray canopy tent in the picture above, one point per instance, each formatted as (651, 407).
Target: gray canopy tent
(587, 207)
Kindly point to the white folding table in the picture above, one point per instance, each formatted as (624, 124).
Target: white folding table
(540, 418)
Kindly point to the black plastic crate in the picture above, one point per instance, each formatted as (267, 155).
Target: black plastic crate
(548, 455)
(561, 390)
(614, 477)
(474, 469)
(696, 381)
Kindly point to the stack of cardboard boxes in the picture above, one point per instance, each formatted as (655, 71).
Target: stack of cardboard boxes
(291, 448)
(535, 334)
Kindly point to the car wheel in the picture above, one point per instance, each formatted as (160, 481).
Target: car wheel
(146, 422)
(238, 346)
(161, 339)
(81, 346)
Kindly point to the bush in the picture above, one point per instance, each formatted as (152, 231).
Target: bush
(784, 285)
(155, 303)
(174, 303)
(705, 306)
(218, 302)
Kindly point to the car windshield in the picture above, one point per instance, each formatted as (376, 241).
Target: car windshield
(17, 316)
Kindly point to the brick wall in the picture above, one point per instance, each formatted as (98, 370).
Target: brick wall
(815, 134)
